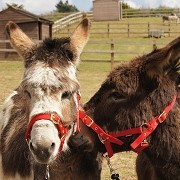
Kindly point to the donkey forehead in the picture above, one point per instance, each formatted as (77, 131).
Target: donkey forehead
(124, 79)
(53, 52)
(62, 78)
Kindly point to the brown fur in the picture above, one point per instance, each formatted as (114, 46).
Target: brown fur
(133, 94)
(16, 157)
(23, 44)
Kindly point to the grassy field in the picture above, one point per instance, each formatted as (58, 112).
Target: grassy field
(54, 16)
(119, 29)
(129, 47)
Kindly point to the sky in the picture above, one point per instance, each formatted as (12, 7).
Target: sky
(45, 6)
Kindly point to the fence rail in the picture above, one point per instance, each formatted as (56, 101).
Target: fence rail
(113, 50)
(110, 30)
(126, 13)
(129, 13)
(68, 20)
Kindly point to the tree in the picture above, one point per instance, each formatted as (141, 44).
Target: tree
(126, 6)
(65, 7)
(15, 5)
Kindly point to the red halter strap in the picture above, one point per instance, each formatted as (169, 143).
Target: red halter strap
(104, 137)
(62, 130)
(51, 117)
(139, 143)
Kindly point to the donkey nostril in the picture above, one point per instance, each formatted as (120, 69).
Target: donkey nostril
(53, 145)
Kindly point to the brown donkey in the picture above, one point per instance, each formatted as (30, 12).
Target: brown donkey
(138, 105)
(40, 115)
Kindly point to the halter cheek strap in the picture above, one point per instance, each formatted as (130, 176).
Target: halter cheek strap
(139, 143)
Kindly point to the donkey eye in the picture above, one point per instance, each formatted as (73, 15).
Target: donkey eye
(66, 95)
(28, 93)
(116, 96)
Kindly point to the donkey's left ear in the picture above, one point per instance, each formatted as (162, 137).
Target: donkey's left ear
(80, 36)
(164, 60)
(19, 40)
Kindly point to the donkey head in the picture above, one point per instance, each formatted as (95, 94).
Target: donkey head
(50, 88)
(134, 93)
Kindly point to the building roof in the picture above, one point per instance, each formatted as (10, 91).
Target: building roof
(27, 13)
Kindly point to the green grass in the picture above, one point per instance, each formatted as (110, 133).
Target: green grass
(118, 29)
(123, 44)
(10, 76)
(91, 76)
(54, 16)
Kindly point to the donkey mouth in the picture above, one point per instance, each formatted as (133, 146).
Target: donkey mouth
(41, 154)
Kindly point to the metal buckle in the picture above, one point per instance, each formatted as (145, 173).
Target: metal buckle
(101, 139)
(144, 126)
(144, 142)
(162, 114)
(90, 124)
(53, 119)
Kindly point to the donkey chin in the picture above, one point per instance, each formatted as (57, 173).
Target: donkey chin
(45, 143)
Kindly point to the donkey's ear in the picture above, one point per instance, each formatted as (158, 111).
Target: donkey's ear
(80, 36)
(164, 60)
(19, 40)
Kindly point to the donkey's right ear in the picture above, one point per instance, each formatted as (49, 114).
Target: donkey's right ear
(19, 40)
(80, 36)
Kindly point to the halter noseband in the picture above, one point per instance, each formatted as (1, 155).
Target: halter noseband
(62, 130)
(143, 131)
(53, 117)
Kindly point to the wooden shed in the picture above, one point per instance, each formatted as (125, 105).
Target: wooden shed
(35, 27)
(106, 10)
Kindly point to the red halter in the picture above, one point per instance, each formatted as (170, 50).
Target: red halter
(62, 130)
(139, 143)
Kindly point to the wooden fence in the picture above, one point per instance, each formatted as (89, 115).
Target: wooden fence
(7, 53)
(129, 13)
(119, 29)
(126, 13)
(107, 51)
(68, 20)
(117, 51)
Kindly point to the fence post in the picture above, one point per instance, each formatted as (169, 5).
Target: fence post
(169, 28)
(108, 30)
(148, 28)
(154, 45)
(112, 54)
(68, 27)
(128, 29)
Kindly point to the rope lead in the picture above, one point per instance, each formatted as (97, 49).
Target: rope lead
(114, 176)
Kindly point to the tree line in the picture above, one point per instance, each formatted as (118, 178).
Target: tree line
(64, 7)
